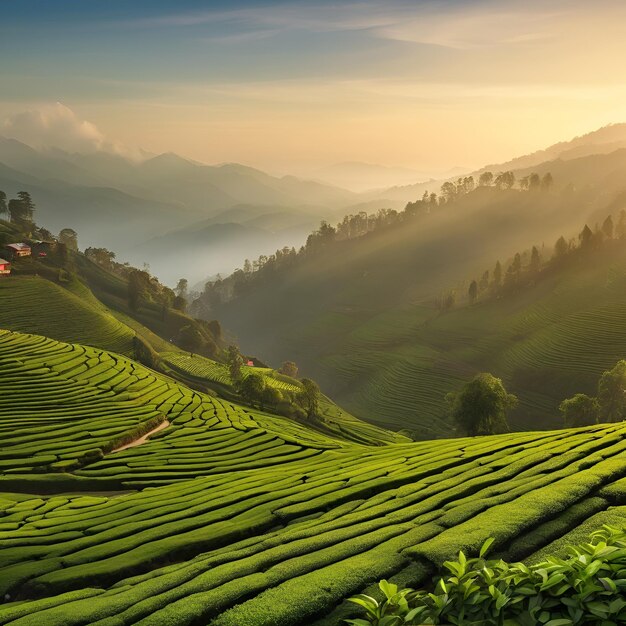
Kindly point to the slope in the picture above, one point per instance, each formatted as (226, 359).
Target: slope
(35, 305)
(362, 316)
(278, 526)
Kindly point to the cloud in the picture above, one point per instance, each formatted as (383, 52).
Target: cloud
(57, 126)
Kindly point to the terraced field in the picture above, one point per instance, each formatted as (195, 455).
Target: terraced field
(203, 369)
(335, 421)
(35, 305)
(547, 342)
(250, 519)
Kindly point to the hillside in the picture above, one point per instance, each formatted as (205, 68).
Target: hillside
(594, 161)
(94, 192)
(362, 316)
(89, 305)
(279, 524)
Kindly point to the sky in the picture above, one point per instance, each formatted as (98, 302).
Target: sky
(295, 86)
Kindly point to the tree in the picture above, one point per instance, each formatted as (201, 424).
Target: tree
(484, 281)
(101, 256)
(18, 214)
(181, 288)
(561, 248)
(179, 303)
(21, 209)
(485, 179)
(480, 407)
(608, 228)
(535, 260)
(289, 368)
(473, 291)
(585, 237)
(309, 397)
(69, 237)
(546, 182)
(580, 410)
(534, 182)
(271, 397)
(612, 393)
(4, 209)
(251, 388)
(497, 276)
(505, 180)
(190, 338)
(516, 266)
(235, 363)
(449, 191)
(135, 289)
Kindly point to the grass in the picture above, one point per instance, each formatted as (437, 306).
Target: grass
(233, 516)
(362, 321)
(35, 305)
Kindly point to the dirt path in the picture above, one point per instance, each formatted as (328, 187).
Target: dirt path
(143, 438)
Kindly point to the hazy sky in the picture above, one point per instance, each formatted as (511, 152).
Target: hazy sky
(292, 85)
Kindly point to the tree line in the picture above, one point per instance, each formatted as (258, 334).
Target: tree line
(524, 267)
(254, 389)
(354, 226)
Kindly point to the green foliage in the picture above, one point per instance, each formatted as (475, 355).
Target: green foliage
(309, 397)
(612, 393)
(586, 587)
(480, 407)
(580, 410)
(251, 388)
(235, 363)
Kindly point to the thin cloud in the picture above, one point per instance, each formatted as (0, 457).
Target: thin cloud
(57, 126)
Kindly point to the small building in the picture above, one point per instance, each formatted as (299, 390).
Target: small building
(17, 250)
(5, 268)
(41, 249)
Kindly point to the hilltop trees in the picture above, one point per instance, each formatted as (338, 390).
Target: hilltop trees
(235, 363)
(101, 256)
(251, 388)
(609, 406)
(612, 393)
(69, 238)
(561, 248)
(473, 292)
(4, 209)
(505, 180)
(480, 407)
(21, 210)
(136, 289)
(309, 397)
(289, 368)
(580, 410)
(485, 179)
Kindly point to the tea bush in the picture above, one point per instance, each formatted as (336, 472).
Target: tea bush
(587, 587)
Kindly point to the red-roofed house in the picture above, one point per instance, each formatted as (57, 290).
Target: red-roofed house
(16, 250)
(5, 268)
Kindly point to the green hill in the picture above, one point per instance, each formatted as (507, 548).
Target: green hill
(251, 519)
(363, 316)
(35, 305)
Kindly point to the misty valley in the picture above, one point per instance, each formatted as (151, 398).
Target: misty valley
(323, 323)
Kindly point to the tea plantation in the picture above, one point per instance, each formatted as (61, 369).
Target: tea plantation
(229, 516)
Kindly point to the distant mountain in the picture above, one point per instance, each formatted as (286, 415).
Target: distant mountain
(120, 203)
(96, 213)
(603, 141)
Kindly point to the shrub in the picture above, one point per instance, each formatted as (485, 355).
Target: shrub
(587, 587)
